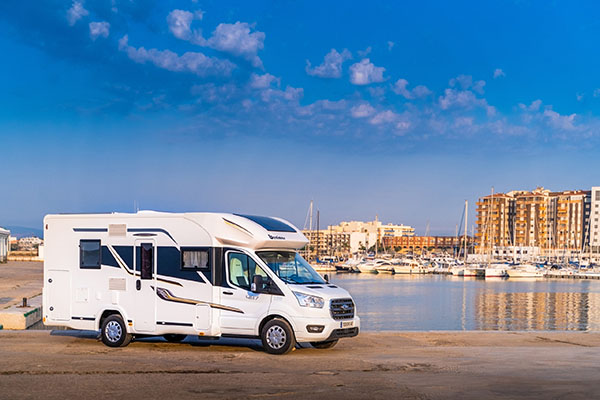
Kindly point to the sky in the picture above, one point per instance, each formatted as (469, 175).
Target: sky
(391, 109)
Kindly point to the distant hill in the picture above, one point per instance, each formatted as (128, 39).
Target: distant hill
(21, 231)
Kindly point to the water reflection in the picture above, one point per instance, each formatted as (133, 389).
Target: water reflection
(433, 302)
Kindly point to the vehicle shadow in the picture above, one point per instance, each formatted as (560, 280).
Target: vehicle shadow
(190, 340)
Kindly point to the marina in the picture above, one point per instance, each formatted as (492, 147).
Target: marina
(444, 302)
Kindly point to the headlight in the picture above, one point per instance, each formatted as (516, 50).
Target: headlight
(307, 300)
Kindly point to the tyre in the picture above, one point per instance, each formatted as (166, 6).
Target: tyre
(114, 332)
(324, 345)
(174, 338)
(278, 337)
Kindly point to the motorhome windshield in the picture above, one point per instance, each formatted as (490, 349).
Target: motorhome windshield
(290, 267)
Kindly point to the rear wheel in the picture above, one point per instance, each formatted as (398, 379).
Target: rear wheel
(114, 332)
(278, 337)
(174, 338)
(324, 345)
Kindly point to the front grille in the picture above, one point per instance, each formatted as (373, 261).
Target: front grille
(342, 308)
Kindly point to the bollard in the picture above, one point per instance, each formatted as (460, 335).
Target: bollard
(25, 302)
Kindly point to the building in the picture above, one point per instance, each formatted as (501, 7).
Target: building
(419, 243)
(351, 237)
(594, 216)
(4, 244)
(539, 219)
(327, 243)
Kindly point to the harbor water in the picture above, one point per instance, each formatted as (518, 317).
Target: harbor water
(439, 302)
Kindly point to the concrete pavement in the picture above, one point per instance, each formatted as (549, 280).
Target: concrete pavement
(414, 365)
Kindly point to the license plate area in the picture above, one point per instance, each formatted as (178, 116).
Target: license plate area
(346, 324)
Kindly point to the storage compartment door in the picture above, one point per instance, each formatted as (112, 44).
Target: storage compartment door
(59, 295)
(203, 317)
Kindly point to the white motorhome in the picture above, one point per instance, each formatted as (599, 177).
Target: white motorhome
(204, 274)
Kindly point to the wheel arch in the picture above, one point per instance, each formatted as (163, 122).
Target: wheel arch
(111, 311)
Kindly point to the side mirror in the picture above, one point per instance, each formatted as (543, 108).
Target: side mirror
(326, 277)
(257, 284)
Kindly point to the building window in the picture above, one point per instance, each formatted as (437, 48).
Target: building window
(195, 258)
(90, 254)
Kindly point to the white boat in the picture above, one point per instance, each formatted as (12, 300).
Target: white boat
(525, 271)
(385, 267)
(323, 267)
(369, 267)
(496, 271)
(408, 266)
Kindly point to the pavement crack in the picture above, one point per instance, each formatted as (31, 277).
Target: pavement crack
(168, 371)
(544, 339)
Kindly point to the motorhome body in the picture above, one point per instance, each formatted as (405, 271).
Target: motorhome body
(176, 274)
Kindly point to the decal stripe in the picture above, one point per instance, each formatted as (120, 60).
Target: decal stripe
(237, 226)
(166, 295)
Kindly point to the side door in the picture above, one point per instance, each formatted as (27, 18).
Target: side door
(240, 269)
(144, 309)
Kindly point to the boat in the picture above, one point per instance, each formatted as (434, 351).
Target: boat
(525, 271)
(496, 271)
(408, 266)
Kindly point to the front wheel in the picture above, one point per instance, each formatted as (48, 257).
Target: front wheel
(324, 345)
(278, 337)
(114, 332)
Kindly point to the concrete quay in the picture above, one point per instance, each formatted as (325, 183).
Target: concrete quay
(18, 280)
(411, 365)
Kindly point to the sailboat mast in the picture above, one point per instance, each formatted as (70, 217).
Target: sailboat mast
(466, 227)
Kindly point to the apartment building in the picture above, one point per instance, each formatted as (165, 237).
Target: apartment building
(538, 218)
(425, 242)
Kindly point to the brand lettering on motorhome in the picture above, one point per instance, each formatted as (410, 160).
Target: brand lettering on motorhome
(276, 237)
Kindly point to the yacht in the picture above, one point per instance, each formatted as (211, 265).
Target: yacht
(525, 271)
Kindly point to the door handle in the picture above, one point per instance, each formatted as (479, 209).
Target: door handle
(138, 284)
(228, 293)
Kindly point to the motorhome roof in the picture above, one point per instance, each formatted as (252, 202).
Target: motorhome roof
(228, 229)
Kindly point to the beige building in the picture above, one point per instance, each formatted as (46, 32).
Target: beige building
(538, 218)
(4, 244)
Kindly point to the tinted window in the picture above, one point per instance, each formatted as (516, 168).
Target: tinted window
(147, 260)
(270, 224)
(89, 254)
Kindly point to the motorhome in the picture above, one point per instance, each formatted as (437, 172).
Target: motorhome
(177, 274)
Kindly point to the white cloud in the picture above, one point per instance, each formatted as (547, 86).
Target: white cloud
(466, 82)
(365, 72)
(362, 110)
(384, 117)
(263, 81)
(99, 29)
(237, 39)
(196, 63)
(498, 73)
(400, 87)
(579, 96)
(291, 94)
(365, 52)
(534, 106)
(421, 91)
(558, 121)
(180, 25)
(76, 12)
(390, 45)
(331, 66)
(454, 98)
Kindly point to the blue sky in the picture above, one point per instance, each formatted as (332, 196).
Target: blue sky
(399, 110)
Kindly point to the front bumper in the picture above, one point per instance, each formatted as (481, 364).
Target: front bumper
(333, 329)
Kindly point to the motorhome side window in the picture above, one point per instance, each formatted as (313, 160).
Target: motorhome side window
(147, 260)
(195, 258)
(89, 254)
(242, 270)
